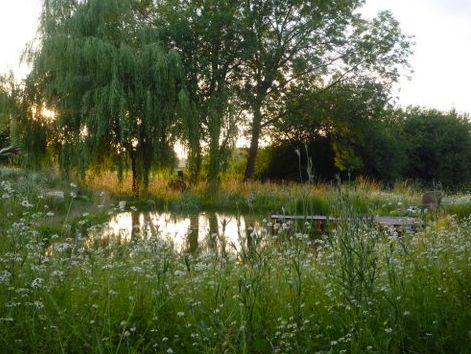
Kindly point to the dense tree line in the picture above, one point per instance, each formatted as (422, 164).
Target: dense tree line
(422, 145)
(127, 79)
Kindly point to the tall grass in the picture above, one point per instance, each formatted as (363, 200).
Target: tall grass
(366, 196)
(358, 289)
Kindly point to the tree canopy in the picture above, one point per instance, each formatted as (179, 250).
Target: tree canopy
(115, 89)
(126, 79)
(250, 54)
(438, 147)
(208, 36)
(294, 43)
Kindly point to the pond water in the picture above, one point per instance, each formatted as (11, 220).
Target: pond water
(187, 232)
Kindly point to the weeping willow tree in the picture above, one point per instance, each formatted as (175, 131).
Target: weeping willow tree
(116, 92)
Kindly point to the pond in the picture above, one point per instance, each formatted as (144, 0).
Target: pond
(186, 232)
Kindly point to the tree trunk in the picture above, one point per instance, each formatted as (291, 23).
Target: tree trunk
(135, 228)
(213, 172)
(214, 150)
(195, 160)
(135, 187)
(192, 238)
(256, 130)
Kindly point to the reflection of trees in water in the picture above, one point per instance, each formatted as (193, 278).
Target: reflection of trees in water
(212, 241)
(220, 233)
(135, 226)
(248, 238)
(193, 233)
(150, 228)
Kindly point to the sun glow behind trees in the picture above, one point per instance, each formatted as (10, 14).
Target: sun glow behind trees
(128, 79)
(111, 80)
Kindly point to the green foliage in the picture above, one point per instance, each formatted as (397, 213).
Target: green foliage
(439, 147)
(207, 36)
(9, 107)
(357, 289)
(128, 78)
(4, 116)
(382, 152)
(114, 89)
(367, 138)
(346, 128)
(305, 43)
(235, 165)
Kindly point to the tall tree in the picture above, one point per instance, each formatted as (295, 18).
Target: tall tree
(322, 42)
(116, 92)
(207, 35)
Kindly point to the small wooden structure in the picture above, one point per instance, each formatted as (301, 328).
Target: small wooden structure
(398, 223)
(432, 200)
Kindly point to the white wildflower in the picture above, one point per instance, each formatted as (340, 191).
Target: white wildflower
(137, 269)
(39, 305)
(25, 203)
(37, 283)
(4, 276)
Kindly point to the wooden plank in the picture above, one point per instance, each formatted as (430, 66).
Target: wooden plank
(300, 217)
(393, 221)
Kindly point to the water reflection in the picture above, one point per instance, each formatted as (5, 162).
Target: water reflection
(188, 233)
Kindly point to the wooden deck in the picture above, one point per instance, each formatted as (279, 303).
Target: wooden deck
(402, 223)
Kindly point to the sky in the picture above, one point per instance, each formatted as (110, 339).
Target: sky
(442, 52)
(441, 61)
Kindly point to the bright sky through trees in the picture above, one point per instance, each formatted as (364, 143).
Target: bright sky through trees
(442, 30)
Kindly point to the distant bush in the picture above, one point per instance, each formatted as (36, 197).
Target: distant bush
(423, 145)
(438, 147)
(281, 162)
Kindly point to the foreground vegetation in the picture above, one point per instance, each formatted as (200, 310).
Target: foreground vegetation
(357, 289)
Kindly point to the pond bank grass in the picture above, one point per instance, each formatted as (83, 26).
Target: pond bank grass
(364, 195)
(357, 289)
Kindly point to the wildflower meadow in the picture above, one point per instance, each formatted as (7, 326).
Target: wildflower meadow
(354, 289)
